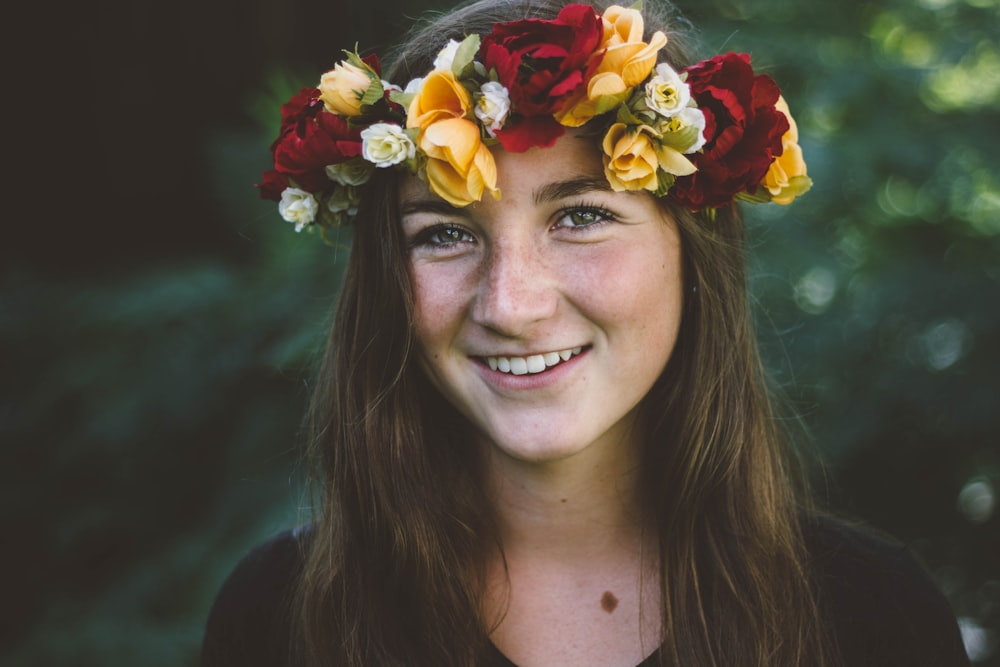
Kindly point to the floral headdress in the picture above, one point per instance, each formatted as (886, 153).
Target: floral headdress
(701, 137)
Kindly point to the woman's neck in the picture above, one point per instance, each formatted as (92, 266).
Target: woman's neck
(573, 509)
(578, 580)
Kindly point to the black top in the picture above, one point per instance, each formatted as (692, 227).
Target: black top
(886, 609)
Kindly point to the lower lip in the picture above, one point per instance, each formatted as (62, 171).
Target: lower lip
(528, 381)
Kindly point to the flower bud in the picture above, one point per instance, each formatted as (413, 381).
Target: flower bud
(342, 88)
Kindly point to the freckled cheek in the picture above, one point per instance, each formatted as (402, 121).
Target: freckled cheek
(626, 287)
(436, 308)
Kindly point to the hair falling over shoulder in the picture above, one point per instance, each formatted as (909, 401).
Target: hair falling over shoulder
(395, 564)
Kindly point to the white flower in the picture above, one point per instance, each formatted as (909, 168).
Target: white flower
(414, 86)
(492, 106)
(685, 131)
(666, 93)
(446, 56)
(390, 86)
(385, 144)
(352, 172)
(298, 207)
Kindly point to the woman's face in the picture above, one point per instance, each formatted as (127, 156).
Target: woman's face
(544, 317)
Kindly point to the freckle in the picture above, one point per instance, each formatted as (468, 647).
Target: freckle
(563, 500)
(609, 602)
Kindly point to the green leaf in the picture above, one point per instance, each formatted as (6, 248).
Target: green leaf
(681, 139)
(374, 94)
(464, 56)
(401, 98)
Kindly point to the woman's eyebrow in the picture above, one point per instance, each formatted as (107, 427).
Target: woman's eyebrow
(429, 205)
(571, 188)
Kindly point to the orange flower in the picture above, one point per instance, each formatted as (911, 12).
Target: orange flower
(459, 166)
(786, 178)
(626, 62)
(633, 155)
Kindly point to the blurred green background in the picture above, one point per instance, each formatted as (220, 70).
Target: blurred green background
(158, 322)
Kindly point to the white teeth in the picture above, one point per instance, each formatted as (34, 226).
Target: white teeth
(535, 363)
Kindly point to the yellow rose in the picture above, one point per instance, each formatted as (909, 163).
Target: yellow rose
(786, 178)
(441, 96)
(632, 156)
(459, 166)
(342, 88)
(626, 62)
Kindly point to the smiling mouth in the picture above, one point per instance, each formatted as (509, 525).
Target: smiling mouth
(535, 363)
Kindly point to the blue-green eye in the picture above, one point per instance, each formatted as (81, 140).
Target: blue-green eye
(583, 216)
(442, 236)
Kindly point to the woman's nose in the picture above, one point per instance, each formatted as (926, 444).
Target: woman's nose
(516, 288)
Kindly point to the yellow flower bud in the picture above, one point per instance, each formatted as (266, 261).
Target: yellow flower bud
(342, 88)
(786, 178)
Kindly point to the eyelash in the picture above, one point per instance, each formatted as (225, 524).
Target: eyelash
(602, 216)
(425, 237)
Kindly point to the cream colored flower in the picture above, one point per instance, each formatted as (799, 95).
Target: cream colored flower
(626, 61)
(386, 144)
(684, 131)
(446, 56)
(342, 88)
(786, 178)
(298, 207)
(352, 172)
(414, 86)
(666, 93)
(492, 106)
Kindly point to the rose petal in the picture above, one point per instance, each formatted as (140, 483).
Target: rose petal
(541, 131)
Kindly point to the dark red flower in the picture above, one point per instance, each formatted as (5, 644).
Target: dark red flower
(542, 63)
(372, 61)
(301, 107)
(310, 139)
(742, 127)
(272, 185)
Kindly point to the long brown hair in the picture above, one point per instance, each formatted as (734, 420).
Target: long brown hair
(395, 561)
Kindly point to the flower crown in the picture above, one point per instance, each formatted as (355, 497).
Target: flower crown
(701, 137)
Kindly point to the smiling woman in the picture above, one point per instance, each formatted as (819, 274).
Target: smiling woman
(541, 430)
(560, 264)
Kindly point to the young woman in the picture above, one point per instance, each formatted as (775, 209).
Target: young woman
(541, 430)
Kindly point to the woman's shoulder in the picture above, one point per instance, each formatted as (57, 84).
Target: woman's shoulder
(880, 599)
(250, 620)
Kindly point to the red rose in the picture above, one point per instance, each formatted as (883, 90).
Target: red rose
(542, 63)
(272, 185)
(299, 109)
(310, 139)
(742, 127)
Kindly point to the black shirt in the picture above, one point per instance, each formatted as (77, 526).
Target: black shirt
(886, 610)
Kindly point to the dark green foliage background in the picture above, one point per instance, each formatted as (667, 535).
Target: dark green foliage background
(158, 322)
